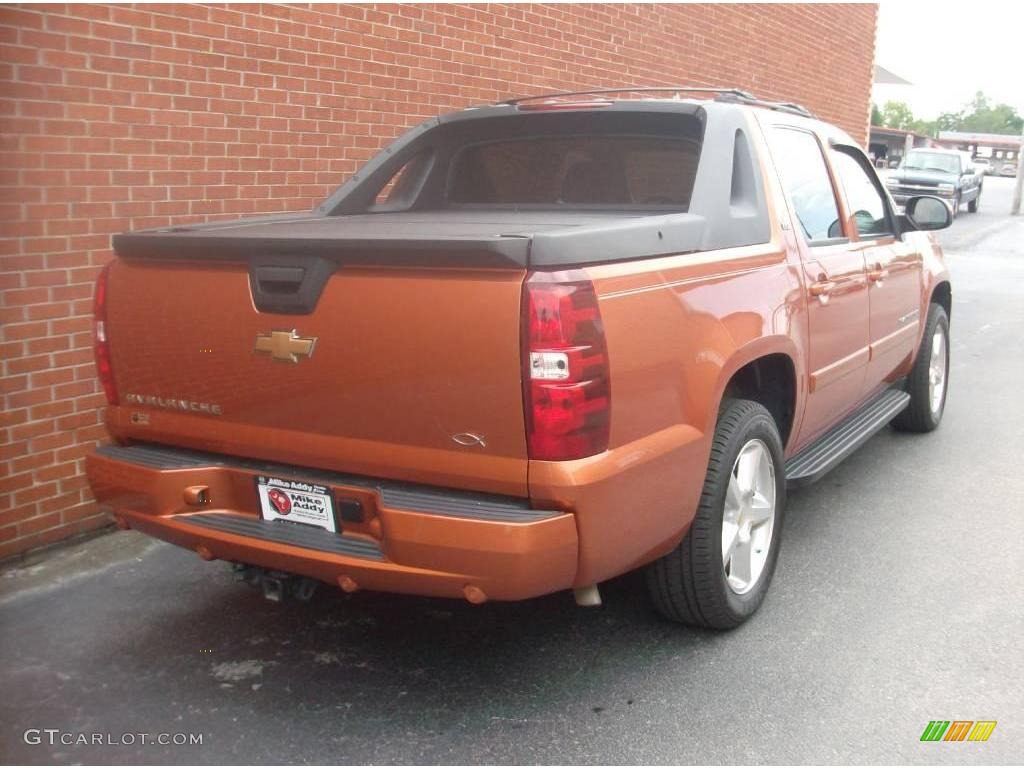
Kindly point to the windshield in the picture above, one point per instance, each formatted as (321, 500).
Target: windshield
(932, 161)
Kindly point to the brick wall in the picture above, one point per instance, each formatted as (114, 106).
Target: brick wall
(117, 117)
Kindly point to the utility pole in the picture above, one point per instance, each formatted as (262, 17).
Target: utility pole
(1019, 187)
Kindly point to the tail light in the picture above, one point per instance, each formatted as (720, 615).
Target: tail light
(566, 387)
(104, 369)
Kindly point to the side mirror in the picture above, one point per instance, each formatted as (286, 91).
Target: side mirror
(927, 213)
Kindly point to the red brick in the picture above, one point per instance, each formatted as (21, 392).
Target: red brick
(116, 117)
(25, 331)
(33, 429)
(15, 482)
(56, 472)
(52, 409)
(51, 376)
(59, 503)
(37, 524)
(28, 364)
(84, 513)
(13, 416)
(17, 514)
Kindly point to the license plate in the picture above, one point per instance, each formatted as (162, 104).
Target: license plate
(296, 502)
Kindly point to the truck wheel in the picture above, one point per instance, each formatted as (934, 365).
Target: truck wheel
(719, 573)
(972, 207)
(929, 378)
(956, 205)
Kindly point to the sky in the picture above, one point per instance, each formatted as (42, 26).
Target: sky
(950, 50)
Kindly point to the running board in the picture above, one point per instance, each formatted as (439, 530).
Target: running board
(843, 439)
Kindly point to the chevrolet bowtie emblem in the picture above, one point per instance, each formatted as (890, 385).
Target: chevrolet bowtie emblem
(286, 346)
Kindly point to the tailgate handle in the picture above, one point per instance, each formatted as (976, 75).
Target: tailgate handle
(290, 288)
(280, 279)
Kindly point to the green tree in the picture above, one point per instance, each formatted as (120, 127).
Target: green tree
(981, 116)
(876, 115)
(896, 114)
(950, 121)
(1002, 118)
(925, 128)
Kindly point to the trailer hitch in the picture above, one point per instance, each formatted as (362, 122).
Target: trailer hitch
(277, 586)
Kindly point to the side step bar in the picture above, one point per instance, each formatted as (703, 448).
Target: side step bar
(843, 439)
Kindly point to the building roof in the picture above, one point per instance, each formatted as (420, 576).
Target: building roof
(887, 129)
(881, 129)
(991, 139)
(884, 77)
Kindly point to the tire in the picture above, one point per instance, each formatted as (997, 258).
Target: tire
(690, 584)
(972, 207)
(923, 415)
(956, 205)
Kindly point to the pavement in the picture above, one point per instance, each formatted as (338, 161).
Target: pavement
(897, 600)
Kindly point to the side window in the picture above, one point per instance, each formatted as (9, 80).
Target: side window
(865, 200)
(806, 183)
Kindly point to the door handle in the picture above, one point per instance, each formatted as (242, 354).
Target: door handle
(876, 274)
(822, 288)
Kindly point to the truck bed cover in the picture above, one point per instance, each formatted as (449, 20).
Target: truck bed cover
(480, 238)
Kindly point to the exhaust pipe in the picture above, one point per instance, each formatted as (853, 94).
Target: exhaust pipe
(587, 597)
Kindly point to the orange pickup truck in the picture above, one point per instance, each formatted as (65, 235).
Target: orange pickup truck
(527, 348)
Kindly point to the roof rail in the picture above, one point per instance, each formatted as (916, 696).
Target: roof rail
(732, 95)
(634, 89)
(779, 106)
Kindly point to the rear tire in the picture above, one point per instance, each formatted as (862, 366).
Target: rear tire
(718, 575)
(928, 381)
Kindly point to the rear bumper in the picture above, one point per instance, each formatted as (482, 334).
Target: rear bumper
(412, 539)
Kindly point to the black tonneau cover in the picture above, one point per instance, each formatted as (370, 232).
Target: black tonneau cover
(727, 209)
(480, 238)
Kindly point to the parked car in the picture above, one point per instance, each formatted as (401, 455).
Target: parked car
(1008, 169)
(945, 173)
(527, 348)
(981, 165)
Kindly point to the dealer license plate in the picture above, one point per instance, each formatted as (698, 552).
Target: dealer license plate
(296, 502)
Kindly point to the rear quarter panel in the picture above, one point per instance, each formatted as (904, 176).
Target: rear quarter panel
(677, 329)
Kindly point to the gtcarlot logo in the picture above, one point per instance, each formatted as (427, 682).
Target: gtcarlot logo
(958, 730)
(55, 736)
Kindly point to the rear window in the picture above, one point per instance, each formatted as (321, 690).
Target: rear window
(619, 171)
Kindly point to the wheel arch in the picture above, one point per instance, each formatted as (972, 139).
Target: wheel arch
(942, 294)
(765, 371)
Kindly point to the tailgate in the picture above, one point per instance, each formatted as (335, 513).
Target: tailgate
(391, 373)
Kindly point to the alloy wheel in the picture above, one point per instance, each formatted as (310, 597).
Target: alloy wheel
(937, 371)
(749, 517)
